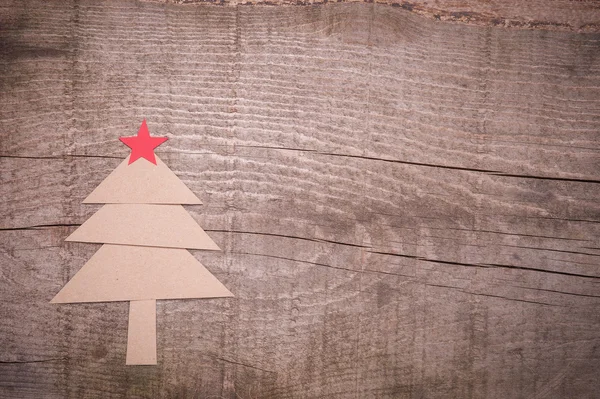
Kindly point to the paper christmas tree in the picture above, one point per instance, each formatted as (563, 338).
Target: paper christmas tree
(146, 232)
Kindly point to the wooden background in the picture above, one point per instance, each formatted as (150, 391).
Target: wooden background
(408, 207)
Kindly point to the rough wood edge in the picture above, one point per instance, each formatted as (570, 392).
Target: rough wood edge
(434, 13)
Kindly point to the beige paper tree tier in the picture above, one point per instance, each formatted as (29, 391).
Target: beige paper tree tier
(146, 232)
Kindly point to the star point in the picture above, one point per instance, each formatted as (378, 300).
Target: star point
(142, 145)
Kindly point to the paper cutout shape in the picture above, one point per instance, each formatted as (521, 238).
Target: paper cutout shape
(145, 230)
(142, 183)
(142, 224)
(133, 273)
(142, 145)
(141, 334)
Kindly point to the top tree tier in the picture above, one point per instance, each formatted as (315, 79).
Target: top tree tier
(142, 182)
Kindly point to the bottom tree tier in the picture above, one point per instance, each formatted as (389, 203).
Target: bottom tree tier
(128, 273)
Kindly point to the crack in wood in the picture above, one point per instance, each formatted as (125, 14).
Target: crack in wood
(33, 361)
(533, 269)
(244, 365)
(557, 292)
(378, 159)
(41, 226)
(60, 157)
(550, 249)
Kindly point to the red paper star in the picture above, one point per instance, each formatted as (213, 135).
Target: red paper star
(142, 145)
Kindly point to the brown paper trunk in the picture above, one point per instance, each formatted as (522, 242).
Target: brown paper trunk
(141, 336)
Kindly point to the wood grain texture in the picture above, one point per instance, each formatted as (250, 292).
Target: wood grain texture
(407, 208)
(561, 15)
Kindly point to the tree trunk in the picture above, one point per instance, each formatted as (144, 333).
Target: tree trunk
(141, 336)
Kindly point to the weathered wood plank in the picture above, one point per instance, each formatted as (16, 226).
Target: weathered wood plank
(564, 15)
(407, 208)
